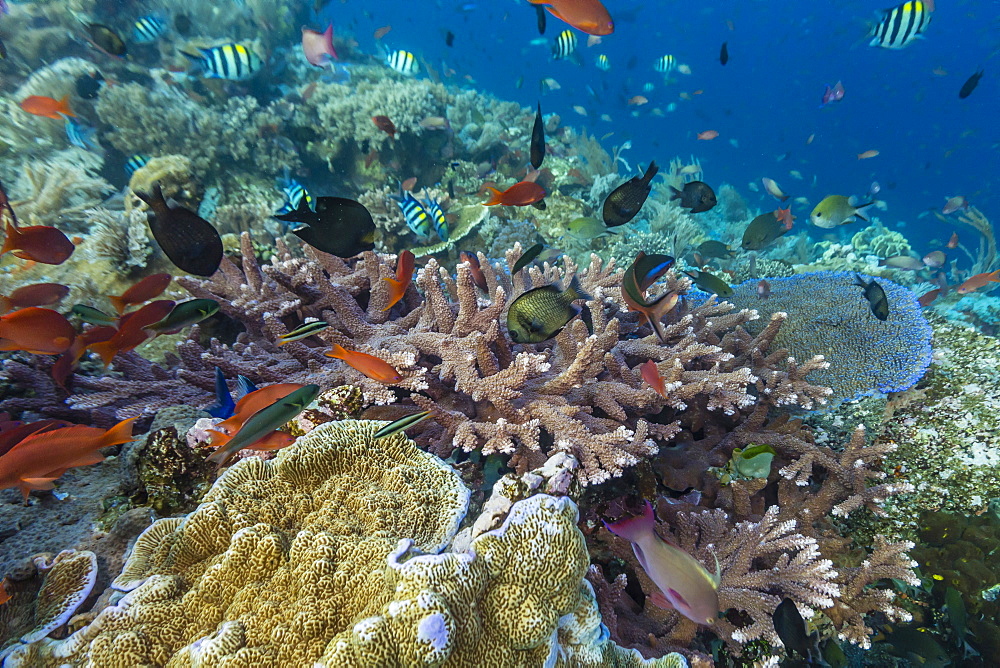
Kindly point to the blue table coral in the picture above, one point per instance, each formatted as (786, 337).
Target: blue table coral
(828, 315)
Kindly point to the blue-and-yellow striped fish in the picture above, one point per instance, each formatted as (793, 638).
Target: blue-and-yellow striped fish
(603, 63)
(294, 194)
(234, 62)
(135, 162)
(440, 223)
(403, 62)
(564, 45)
(665, 64)
(148, 29)
(901, 25)
(416, 215)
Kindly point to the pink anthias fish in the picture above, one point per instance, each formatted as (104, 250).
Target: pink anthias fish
(833, 93)
(685, 584)
(316, 45)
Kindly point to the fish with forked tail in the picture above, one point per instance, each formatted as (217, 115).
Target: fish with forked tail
(624, 202)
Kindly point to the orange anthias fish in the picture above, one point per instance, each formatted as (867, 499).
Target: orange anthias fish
(4, 594)
(143, 291)
(978, 281)
(590, 16)
(67, 362)
(36, 330)
(38, 294)
(131, 330)
(928, 297)
(785, 217)
(652, 376)
(708, 135)
(41, 458)
(404, 274)
(40, 243)
(519, 194)
(953, 241)
(246, 407)
(385, 124)
(373, 367)
(39, 105)
(12, 435)
(475, 269)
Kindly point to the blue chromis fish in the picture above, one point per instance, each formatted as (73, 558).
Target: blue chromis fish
(834, 210)
(403, 62)
(416, 215)
(901, 25)
(265, 421)
(539, 314)
(148, 29)
(685, 585)
(665, 64)
(603, 63)
(234, 62)
(81, 135)
(438, 219)
(564, 45)
(295, 192)
(136, 162)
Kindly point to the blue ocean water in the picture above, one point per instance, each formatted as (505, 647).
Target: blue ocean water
(764, 103)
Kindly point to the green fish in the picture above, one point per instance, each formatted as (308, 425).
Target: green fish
(836, 210)
(93, 316)
(401, 424)
(539, 314)
(184, 315)
(876, 297)
(303, 332)
(264, 421)
(762, 232)
(711, 284)
(718, 249)
(526, 258)
(586, 228)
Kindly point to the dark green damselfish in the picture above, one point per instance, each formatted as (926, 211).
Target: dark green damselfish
(539, 314)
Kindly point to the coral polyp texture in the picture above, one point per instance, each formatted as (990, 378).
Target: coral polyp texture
(828, 315)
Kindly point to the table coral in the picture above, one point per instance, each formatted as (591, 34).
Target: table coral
(829, 316)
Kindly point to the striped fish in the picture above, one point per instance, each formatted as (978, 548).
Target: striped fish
(234, 62)
(665, 64)
(403, 62)
(148, 29)
(564, 45)
(901, 25)
(603, 63)
(438, 220)
(135, 162)
(416, 216)
(294, 193)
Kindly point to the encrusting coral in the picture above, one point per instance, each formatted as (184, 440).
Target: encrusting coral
(300, 561)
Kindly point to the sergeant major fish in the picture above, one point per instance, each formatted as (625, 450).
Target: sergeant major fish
(901, 25)
(234, 62)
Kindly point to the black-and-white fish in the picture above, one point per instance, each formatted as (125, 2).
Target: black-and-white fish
(403, 62)
(234, 62)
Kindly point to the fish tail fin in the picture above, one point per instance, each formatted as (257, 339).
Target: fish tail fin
(659, 308)
(650, 173)
(862, 211)
(634, 528)
(337, 351)
(675, 193)
(105, 350)
(994, 276)
(120, 433)
(63, 107)
(11, 241)
(496, 197)
(574, 291)
(119, 303)
(396, 291)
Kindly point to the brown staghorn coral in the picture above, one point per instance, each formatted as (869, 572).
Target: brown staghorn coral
(301, 561)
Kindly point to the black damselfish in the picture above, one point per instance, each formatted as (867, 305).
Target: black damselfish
(970, 85)
(624, 202)
(339, 226)
(538, 139)
(187, 239)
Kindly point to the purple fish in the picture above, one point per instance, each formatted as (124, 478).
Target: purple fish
(833, 93)
(685, 584)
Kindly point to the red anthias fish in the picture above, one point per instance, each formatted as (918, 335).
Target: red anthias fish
(67, 362)
(36, 330)
(39, 105)
(375, 368)
(590, 16)
(131, 330)
(785, 217)
(246, 407)
(404, 274)
(143, 291)
(38, 294)
(385, 124)
(475, 269)
(519, 194)
(652, 376)
(40, 243)
(12, 433)
(833, 93)
(42, 458)
(978, 281)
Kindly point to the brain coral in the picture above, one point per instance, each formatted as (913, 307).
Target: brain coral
(828, 315)
(299, 561)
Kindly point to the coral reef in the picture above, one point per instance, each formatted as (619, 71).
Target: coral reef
(120, 239)
(59, 190)
(829, 316)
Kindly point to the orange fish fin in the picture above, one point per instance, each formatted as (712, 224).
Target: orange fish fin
(119, 303)
(496, 197)
(86, 460)
(659, 600)
(12, 240)
(396, 291)
(38, 483)
(337, 351)
(120, 433)
(63, 107)
(105, 350)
